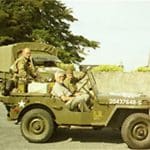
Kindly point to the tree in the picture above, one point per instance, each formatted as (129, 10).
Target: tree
(45, 21)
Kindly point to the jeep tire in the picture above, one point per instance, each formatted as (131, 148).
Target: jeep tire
(135, 131)
(37, 126)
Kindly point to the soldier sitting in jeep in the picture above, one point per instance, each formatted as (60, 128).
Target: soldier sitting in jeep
(72, 101)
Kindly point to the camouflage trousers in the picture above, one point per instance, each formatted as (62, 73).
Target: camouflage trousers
(79, 102)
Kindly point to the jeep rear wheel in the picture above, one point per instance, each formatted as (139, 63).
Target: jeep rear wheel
(37, 126)
(135, 131)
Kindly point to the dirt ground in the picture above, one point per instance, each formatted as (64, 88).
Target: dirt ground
(64, 138)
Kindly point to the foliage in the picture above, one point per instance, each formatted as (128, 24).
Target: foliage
(143, 69)
(106, 68)
(45, 21)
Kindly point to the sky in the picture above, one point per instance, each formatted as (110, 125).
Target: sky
(121, 26)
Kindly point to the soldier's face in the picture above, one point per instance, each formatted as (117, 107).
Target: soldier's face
(69, 75)
(27, 53)
(60, 78)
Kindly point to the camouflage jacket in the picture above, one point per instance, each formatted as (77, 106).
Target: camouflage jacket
(23, 68)
(71, 84)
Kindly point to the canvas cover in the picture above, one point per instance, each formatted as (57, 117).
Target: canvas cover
(123, 83)
(9, 53)
(6, 58)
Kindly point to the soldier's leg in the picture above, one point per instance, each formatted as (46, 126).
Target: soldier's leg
(79, 101)
(87, 99)
(10, 84)
(68, 104)
(22, 86)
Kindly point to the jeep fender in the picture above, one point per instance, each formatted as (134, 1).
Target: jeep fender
(33, 106)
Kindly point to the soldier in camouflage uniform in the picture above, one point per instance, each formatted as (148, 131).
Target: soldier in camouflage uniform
(71, 82)
(23, 68)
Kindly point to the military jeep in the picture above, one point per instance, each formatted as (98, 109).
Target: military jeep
(120, 100)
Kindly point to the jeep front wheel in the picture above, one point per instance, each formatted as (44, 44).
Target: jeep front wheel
(37, 126)
(135, 131)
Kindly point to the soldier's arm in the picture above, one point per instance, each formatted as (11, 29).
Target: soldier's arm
(83, 74)
(69, 86)
(32, 72)
(31, 69)
(66, 98)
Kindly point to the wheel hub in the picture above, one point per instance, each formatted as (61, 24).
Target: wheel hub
(140, 131)
(36, 126)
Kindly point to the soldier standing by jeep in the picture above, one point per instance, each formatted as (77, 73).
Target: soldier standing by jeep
(23, 69)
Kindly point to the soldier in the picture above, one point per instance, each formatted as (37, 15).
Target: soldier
(71, 82)
(72, 101)
(23, 68)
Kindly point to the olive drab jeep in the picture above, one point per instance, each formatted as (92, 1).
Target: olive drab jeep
(120, 100)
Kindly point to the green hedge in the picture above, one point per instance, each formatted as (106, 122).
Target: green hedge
(107, 68)
(143, 69)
